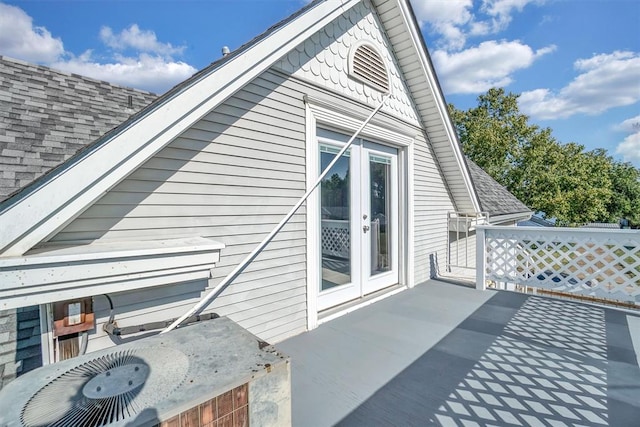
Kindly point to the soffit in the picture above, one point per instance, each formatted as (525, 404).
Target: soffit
(410, 51)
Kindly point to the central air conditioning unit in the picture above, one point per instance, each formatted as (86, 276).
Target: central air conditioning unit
(207, 374)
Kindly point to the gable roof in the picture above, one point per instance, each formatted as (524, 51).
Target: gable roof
(494, 197)
(57, 198)
(48, 115)
(108, 105)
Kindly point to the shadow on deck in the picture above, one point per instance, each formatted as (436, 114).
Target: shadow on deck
(440, 354)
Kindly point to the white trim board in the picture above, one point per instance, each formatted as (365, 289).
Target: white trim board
(37, 215)
(88, 270)
(327, 112)
(53, 205)
(318, 113)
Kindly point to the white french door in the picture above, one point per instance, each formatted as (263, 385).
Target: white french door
(359, 229)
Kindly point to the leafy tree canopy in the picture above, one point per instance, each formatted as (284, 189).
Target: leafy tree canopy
(562, 180)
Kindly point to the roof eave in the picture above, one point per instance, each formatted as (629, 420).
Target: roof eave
(53, 203)
(434, 87)
(509, 217)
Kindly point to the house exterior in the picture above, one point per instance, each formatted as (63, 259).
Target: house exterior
(497, 207)
(502, 207)
(150, 215)
(45, 118)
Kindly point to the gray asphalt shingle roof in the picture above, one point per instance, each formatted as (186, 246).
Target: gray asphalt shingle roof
(47, 116)
(72, 112)
(494, 198)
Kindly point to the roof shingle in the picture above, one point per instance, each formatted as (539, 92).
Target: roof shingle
(494, 198)
(46, 116)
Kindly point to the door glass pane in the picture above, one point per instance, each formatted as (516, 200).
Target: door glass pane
(380, 175)
(335, 208)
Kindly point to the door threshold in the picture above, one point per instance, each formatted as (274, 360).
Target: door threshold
(348, 307)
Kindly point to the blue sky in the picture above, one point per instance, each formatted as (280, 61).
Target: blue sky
(576, 63)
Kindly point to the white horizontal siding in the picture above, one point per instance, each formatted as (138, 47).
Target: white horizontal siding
(142, 306)
(431, 204)
(231, 177)
(249, 307)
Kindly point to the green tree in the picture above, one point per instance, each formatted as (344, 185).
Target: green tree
(625, 182)
(562, 180)
(493, 133)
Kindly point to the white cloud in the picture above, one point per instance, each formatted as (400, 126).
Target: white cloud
(456, 20)
(447, 18)
(500, 12)
(149, 63)
(135, 38)
(630, 125)
(454, 11)
(19, 38)
(148, 72)
(490, 64)
(629, 148)
(607, 81)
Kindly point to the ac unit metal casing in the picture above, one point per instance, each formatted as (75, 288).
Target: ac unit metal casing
(156, 379)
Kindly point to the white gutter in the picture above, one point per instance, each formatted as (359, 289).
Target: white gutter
(520, 216)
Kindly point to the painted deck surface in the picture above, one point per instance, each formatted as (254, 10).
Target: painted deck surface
(441, 354)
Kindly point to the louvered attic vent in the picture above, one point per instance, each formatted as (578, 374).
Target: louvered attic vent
(368, 66)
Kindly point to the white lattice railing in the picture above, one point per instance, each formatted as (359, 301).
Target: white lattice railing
(599, 263)
(336, 238)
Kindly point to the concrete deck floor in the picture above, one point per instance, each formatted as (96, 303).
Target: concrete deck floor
(441, 354)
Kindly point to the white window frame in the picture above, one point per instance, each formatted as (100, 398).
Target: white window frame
(326, 114)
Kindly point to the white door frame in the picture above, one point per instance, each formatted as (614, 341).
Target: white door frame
(371, 284)
(361, 281)
(325, 114)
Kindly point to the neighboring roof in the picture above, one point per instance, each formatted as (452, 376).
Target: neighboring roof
(606, 225)
(537, 221)
(46, 116)
(494, 197)
(79, 181)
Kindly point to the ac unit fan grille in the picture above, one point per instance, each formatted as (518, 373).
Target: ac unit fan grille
(107, 389)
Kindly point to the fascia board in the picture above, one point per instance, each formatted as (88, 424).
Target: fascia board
(88, 270)
(520, 216)
(108, 250)
(441, 106)
(61, 199)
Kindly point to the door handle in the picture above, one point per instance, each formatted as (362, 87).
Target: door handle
(365, 228)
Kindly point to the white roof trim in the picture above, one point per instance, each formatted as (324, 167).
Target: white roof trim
(520, 216)
(439, 98)
(88, 270)
(58, 201)
(329, 113)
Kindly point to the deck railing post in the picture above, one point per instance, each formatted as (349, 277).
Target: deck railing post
(480, 258)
